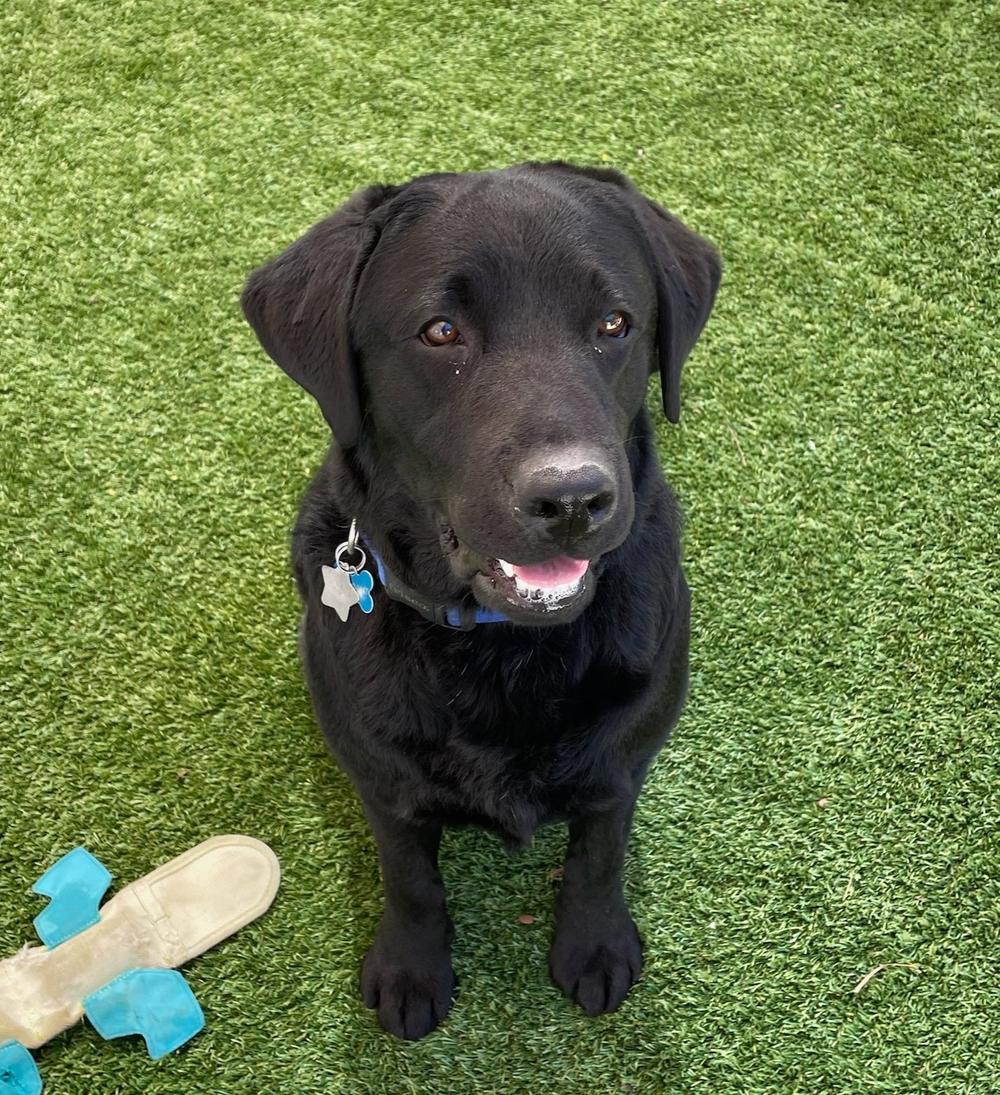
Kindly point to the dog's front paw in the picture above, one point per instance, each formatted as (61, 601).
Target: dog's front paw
(410, 987)
(594, 961)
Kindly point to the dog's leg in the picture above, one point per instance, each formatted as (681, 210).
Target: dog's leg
(596, 954)
(407, 974)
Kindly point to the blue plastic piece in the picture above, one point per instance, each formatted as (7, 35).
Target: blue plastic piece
(75, 884)
(158, 1004)
(18, 1073)
(363, 582)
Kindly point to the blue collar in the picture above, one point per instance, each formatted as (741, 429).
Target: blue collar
(460, 617)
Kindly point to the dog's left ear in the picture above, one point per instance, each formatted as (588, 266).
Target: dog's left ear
(687, 269)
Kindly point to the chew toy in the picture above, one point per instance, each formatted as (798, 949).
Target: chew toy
(117, 964)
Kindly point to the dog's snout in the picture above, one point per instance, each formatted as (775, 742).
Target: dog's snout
(565, 495)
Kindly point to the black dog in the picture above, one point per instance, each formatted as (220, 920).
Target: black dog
(480, 345)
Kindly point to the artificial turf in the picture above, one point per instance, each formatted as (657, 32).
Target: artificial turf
(830, 801)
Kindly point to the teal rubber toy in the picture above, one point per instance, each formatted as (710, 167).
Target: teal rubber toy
(158, 1004)
(117, 964)
(18, 1074)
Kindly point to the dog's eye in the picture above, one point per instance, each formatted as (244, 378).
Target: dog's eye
(614, 324)
(440, 333)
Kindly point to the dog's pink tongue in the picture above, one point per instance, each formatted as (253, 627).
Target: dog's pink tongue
(554, 573)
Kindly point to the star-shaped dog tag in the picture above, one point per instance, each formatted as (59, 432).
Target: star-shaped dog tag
(338, 592)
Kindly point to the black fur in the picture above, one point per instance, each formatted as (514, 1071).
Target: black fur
(555, 717)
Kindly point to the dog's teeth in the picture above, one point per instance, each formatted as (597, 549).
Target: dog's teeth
(549, 597)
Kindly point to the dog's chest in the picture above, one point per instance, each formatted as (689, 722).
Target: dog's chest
(523, 737)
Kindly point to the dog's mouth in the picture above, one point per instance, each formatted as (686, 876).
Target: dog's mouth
(547, 586)
(553, 591)
(541, 594)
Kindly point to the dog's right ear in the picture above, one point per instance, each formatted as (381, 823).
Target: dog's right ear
(299, 304)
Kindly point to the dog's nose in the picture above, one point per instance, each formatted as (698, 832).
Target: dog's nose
(565, 495)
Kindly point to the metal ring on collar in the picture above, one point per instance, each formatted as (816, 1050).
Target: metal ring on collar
(351, 568)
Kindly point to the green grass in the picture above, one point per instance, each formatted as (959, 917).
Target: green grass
(830, 801)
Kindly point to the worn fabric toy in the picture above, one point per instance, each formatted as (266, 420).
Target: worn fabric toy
(117, 965)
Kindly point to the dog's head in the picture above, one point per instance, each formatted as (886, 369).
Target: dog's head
(489, 337)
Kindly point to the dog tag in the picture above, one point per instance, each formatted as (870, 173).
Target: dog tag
(363, 584)
(338, 590)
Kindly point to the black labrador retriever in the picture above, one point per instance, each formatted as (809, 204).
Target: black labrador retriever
(502, 637)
